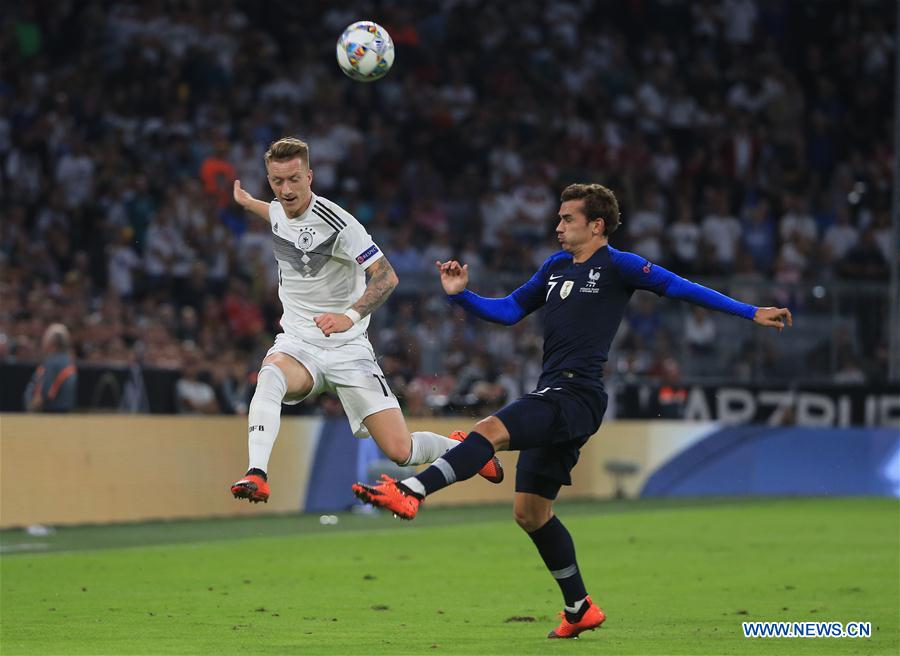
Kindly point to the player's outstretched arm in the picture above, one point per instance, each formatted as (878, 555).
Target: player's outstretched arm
(641, 274)
(773, 317)
(244, 199)
(454, 279)
(382, 281)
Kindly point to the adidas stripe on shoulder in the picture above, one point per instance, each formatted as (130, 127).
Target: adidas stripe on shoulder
(329, 216)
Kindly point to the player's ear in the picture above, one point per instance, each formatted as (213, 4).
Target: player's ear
(599, 226)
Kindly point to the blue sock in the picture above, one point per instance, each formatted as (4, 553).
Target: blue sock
(458, 464)
(555, 545)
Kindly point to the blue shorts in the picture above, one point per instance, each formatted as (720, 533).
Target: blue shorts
(549, 428)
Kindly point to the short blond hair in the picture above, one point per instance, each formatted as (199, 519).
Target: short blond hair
(286, 149)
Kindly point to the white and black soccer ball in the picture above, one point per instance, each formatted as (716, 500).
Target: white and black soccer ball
(365, 51)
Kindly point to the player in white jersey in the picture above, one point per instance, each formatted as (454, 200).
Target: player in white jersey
(324, 255)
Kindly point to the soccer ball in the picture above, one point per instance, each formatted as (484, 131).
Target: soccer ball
(365, 51)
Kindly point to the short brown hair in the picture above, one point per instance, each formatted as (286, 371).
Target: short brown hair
(599, 203)
(288, 148)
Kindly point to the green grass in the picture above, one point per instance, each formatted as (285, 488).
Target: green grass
(675, 577)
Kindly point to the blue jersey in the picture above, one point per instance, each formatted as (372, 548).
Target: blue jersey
(583, 305)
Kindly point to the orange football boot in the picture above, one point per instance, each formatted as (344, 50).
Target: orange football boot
(251, 487)
(388, 496)
(593, 617)
(493, 470)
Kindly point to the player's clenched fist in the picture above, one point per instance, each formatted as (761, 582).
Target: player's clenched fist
(330, 322)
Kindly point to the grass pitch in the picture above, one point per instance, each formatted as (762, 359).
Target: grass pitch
(675, 577)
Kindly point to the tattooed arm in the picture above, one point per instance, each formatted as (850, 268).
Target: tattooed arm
(382, 281)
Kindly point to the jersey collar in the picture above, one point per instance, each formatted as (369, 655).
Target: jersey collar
(599, 254)
(306, 213)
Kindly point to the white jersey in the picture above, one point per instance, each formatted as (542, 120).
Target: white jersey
(322, 257)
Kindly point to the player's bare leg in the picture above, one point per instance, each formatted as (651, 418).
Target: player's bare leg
(280, 377)
(534, 514)
(389, 430)
(531, 511)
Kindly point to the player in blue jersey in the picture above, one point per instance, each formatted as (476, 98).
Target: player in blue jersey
(583, 290)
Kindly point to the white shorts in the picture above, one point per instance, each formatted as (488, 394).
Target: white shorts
(350, 370)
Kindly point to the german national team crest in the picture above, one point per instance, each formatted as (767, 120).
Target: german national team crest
(566, 288)
(305, 240)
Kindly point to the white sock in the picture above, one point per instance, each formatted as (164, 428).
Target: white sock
(414, 485)
(428, 447)
(577, 607)
(264, 416)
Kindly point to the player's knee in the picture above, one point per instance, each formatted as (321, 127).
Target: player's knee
(297, 379)
(529, 519)
(398, 452)
(271, 383)
(494, 431)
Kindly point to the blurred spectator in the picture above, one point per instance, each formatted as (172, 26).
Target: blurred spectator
(478, 389)
(841, 236)
(218, 174)
(671, 395)
(865, 261)
(54, 385)
(134, 392)
(721, 231)
(243, 314)
(797, 220)
(666, 165)
(646, 226)
(644, 320)
(75, 174)
(884, 235)
(123, 264)
(405, 257)
(746, 281)
(193, 395)
(535, 205)
(700, 331)
(496, 210)
(684, 240)
(759, 236)
(233, 387)
(848, 372)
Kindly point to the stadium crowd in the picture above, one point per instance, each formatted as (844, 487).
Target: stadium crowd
(748, 142)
